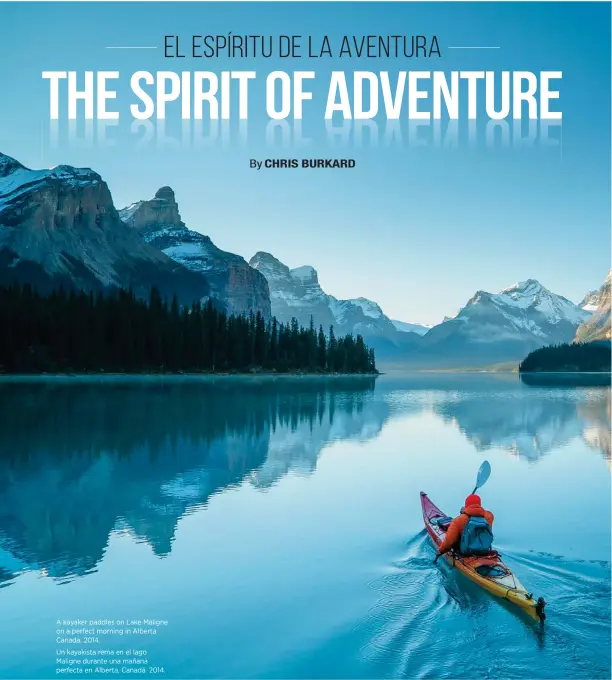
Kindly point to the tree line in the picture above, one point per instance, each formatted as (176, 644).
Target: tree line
(579, 357)
(76, 331)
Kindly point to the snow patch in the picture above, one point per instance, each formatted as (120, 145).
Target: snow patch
(184, 250)
(18, 180)
(339, 308)
(126, 213)
(532, 295)
(369, 308)
(408, 327)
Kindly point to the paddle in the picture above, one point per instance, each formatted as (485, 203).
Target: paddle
(484, 472)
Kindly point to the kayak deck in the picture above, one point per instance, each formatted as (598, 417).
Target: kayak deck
(488, 571)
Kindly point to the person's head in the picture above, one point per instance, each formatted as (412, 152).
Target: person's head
(472, 499)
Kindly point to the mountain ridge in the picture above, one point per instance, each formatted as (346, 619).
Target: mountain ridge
(59, 227)
(236, 285)
(410, 327)
(504, 326)
(297, 293)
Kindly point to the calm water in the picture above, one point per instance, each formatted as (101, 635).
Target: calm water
(276, 525)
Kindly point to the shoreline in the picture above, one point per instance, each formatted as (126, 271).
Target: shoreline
(565, 372)
(195, 377)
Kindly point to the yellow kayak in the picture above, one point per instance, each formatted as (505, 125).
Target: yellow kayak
(488, 571)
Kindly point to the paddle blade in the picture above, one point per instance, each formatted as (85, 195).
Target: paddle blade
(483, 475)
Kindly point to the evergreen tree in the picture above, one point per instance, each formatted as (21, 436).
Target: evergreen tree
(332, 351)
(75, 331)
(321, 351)
(577, 357)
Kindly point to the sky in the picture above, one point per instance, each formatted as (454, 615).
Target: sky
(426, 218)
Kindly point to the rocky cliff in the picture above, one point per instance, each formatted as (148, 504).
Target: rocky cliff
(293, 293)
(297, 293)
(597, 326)
(239, 287)
(60, 227)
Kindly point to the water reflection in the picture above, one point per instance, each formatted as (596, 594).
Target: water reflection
(524, 423)
(596, 415)
(77, 461)
(531, 423)
(528, 420)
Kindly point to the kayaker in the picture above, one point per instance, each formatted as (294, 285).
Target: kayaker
(471, 532)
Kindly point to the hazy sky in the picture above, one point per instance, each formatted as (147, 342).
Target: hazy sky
(417, 226)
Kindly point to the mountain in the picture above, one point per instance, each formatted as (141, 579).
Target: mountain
(59, 227)
(407, 327)
(591, 301)
(505, 326)
(597, 326)
(293, 293)
(239, 287)
(296, 293)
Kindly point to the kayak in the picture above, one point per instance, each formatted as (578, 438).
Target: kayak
(488, 571)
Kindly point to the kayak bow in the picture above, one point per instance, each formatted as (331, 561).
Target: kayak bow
(489, 572)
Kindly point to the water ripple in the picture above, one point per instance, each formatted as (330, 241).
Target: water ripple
(430, 621)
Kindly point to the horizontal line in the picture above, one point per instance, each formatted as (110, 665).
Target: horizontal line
(130, 47)
(473, 47)
(404, 1)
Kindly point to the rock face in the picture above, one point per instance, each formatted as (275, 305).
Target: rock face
(490, 328)
(504, 326)
(597, 326)
(60, 227)
(239, 287)
(593, 299)
(296, 293)
(293, 293)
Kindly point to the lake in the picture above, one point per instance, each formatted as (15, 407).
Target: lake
(271, 528)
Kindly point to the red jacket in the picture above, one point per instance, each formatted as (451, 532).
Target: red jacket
(453, 534)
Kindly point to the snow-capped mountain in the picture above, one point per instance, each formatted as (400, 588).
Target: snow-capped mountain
(505, 326)
(407, 327)
(239, 287)
(60, 227)
(597, 326)
(296, 293)
(363, 316)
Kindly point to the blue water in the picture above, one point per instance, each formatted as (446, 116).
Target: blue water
(276, 525)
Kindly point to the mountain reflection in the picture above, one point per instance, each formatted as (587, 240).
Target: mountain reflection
(78, 461)
(528, 423)
(596, 415)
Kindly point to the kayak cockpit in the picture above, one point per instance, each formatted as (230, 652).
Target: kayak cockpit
(442, 522)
